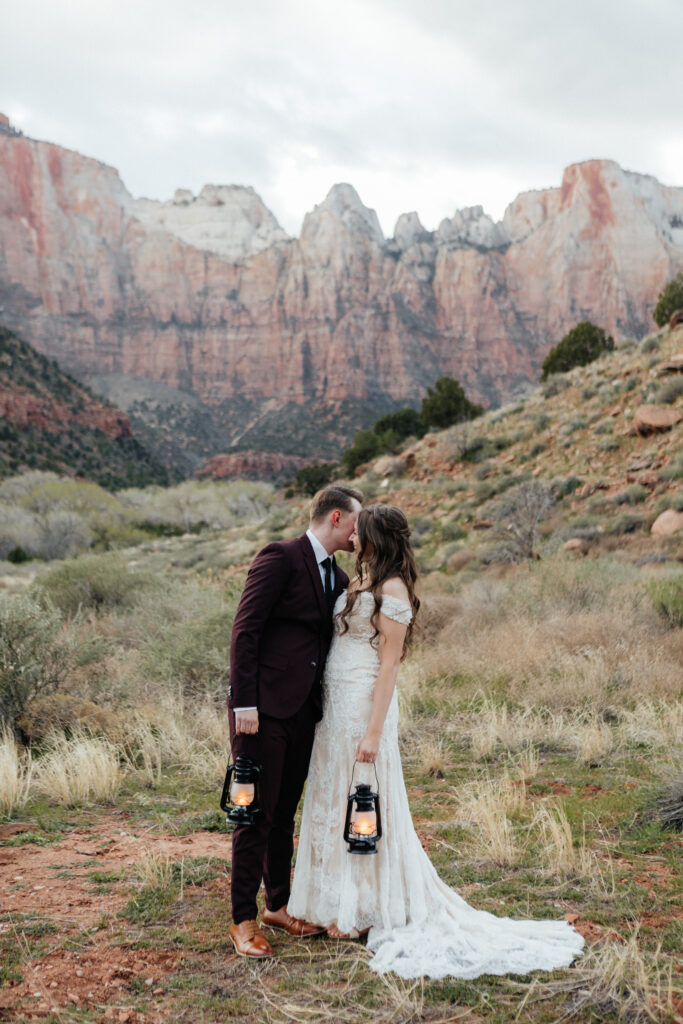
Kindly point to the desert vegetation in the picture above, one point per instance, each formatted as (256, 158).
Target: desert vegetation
(541, 727)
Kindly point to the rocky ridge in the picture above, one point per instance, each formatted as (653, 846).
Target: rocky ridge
(291, 344)
(49, 421)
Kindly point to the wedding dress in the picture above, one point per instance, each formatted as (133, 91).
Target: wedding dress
(418, 925)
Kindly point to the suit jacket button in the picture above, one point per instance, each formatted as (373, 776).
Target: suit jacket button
(313, 664)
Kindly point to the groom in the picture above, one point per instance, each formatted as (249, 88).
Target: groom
(280, 638)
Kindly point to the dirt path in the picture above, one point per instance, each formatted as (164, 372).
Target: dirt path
(53, 885)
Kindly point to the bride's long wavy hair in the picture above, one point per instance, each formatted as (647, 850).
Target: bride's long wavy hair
(385, 553)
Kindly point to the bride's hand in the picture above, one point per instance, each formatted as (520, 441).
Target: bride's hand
(367, 748)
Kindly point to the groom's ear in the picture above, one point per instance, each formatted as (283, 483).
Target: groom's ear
(336, 517)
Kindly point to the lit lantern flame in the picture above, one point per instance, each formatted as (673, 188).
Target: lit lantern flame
(242, 793)
(364, 826)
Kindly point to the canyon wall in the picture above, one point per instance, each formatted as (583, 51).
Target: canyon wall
(288, 345)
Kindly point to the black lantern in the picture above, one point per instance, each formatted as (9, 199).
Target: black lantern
(363, 825)
(241, 797)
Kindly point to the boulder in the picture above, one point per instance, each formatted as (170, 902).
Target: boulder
(390, 465)
(675, 364)
(667, 523)
(653, 419)
(576, 546)
(676, 318)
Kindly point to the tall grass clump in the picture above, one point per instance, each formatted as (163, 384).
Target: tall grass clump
(667, 597)
(36, 653)
(75, 771)
(15, 773)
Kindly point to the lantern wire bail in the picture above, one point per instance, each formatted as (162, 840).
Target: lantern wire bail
(354, 769)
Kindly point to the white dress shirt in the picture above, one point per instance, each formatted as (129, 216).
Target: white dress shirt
(320, 555)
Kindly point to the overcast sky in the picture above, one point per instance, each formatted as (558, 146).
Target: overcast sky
(426, 105)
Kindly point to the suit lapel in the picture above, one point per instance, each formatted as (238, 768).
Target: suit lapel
(314, 573)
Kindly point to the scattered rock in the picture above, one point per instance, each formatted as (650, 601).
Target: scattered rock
(676, 318)
(653, 419)
(482, 524)
(667, 523)
(576, 545)
(675, 364)
(647, 479)
(390, 465)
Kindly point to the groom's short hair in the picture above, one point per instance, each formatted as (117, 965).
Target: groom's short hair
(331, 498)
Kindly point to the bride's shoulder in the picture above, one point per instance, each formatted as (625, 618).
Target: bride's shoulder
(395, 587)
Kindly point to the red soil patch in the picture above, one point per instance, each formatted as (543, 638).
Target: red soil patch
(98, 975)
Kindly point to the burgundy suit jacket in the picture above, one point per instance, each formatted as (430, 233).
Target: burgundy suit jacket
(282, 631)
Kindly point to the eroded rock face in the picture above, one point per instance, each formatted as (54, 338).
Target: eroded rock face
(209, 296)
(251, 465)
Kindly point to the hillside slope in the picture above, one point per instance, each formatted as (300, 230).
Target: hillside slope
(49, 421)
(576, 435)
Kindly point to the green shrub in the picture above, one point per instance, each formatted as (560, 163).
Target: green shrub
(401, 424)
(366, 446)
(17, 555)
(452, 531)
(310, 479)
(98, 582)
(669, 300)
(556, 384)
(580, 346)
(563, 487)
(631, 495)
(541, 422)
(36, 654)
(671, 391)
(672, 471)
(651, 344)
(604, 427)
(626, 522)
(446, 403)
(667, 597)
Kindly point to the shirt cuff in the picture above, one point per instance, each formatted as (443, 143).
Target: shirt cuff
(244, 709)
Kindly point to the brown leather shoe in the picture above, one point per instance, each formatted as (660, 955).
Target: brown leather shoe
(284, 922)
(249, 941)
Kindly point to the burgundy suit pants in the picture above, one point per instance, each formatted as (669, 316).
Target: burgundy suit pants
(263, 851)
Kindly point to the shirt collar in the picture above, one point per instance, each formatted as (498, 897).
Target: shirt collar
(318, 549)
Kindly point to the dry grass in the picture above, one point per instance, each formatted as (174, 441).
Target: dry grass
(559, 635)
(561, 858)
(592, 740)
(484, 808)
(15, 773)
(77, 770)
(155, 871)
(617, 980)
(658, 724)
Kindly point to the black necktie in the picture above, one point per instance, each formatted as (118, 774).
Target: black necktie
(329, 591)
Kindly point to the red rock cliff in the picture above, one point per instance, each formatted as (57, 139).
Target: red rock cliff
(209, 296)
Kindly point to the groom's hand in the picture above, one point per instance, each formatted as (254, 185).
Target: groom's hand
(246, 723)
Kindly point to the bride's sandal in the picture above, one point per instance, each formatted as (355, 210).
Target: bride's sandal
(334, 933)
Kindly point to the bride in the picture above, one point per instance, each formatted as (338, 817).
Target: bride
(416, 925)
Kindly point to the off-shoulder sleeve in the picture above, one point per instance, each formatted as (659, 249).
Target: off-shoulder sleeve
(395, 608)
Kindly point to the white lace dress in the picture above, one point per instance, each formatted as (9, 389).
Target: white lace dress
(418, 925)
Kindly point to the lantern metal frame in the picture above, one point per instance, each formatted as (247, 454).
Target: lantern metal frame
(244, 770)
(362, 794)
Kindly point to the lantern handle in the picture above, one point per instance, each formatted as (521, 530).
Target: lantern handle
(354, 770)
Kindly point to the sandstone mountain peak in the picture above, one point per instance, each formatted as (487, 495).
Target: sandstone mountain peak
(471, 227)
(343, 204)
(229, 220)
(408, 230)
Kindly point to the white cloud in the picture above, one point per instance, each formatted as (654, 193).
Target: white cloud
(421, 104)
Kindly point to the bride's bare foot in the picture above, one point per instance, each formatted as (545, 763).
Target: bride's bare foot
(334, 933)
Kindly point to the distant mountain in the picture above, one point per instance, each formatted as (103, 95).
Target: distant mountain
(49, 421)
(221, 333)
